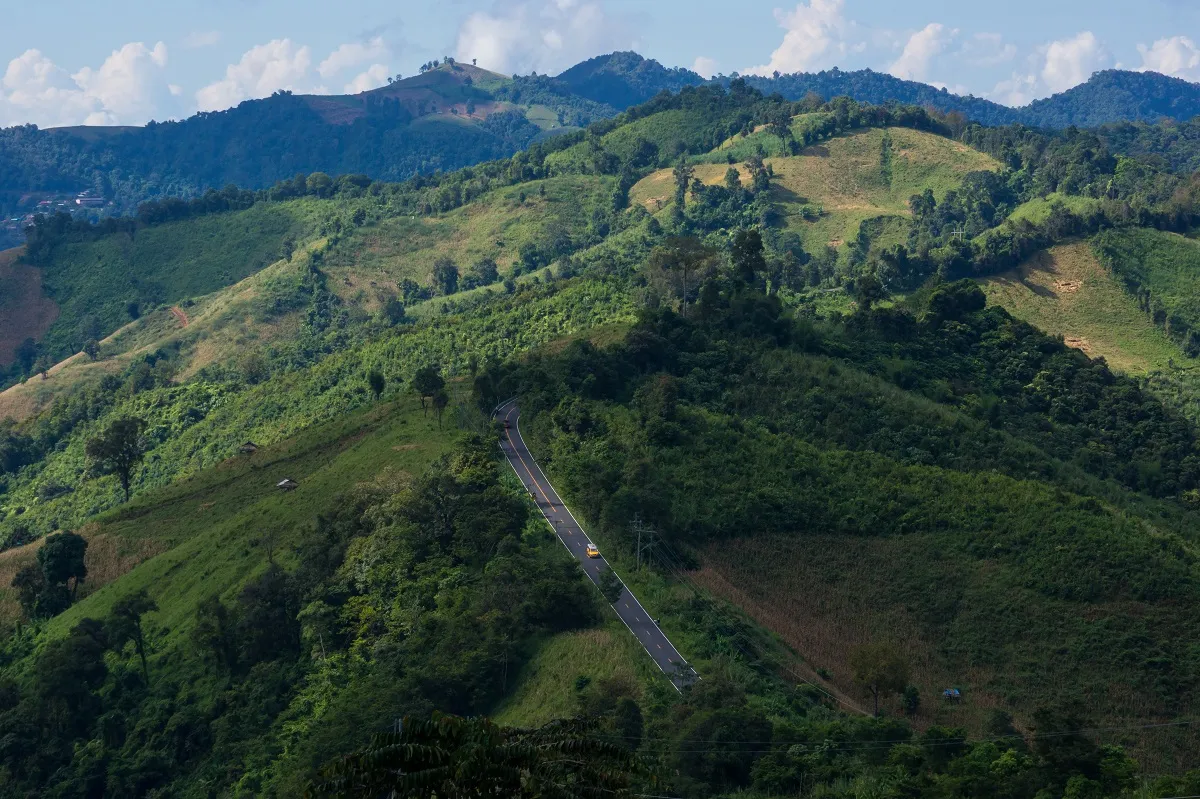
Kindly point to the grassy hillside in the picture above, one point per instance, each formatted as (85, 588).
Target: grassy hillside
(1162, 270)
(93, 283)
(827, 191)
(1066, 292)
(1026, 517)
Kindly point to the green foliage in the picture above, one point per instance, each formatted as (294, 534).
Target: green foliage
(1162, 272)
(452, 757)
(118, 450)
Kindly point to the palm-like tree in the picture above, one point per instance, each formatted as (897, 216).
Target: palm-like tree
(449, 757)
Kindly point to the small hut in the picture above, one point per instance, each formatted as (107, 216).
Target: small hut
(249, 448)
(287, 484)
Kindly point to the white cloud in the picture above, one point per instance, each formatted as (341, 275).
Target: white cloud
(126, 89)
(541, 35)
(987, 50)
(262, 70)
(1177, 56)
(1070, 62)
(197, 39)
(353, 54)
(1016, 91)
(1053, 68)
(922, 47)
(375, 76)
(816, 35)
(704, 66)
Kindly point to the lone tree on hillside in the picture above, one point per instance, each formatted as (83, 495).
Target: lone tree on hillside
(445, 276)
(119, 449)
(880, 669)
(125, 625)
(62, 560)
(427, 382)
(440, 401)
(377, 382)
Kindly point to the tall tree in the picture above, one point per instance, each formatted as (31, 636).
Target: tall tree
(445, 276)
(125, 625)
(119, 449)
(880, 669)
(682, 257)
(62, 560)
(747, 255)
(427, 382)
(377, 382)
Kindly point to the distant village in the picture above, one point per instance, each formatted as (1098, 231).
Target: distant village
(12, 226)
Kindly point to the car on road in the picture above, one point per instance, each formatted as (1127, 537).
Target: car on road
(592, 552)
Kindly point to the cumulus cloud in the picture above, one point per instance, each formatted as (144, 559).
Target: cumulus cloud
(351, 55)
(1177, 56)
(375, 76)
(126, 89)
(816, 34)
(1070, 62)
(704, 66)
(1053, 68)
(922, 47)
(540, 35)
(262, 70)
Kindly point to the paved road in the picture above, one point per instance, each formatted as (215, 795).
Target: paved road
(569, 531)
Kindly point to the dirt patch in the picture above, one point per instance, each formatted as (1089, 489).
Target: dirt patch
(24, 311)
(1067, 286)
(406, 447)
(1081, 344)
(180, 315)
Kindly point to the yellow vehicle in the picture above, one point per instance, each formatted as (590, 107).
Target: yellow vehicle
(592, 552)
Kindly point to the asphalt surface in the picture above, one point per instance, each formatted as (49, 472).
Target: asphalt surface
(569, 531)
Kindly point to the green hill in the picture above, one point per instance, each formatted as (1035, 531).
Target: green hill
(837, 447)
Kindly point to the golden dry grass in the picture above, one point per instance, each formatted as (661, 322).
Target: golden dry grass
(843, 177)
(1066, 292)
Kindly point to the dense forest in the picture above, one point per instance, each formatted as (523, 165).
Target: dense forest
(690, 350)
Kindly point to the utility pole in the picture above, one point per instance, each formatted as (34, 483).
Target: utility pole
(641, 529)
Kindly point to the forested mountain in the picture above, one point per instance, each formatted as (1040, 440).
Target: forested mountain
(258, 538)
(455, 115)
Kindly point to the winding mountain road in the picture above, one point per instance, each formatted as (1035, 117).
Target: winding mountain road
(571, 533)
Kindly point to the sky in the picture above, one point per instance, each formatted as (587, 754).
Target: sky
(124, 62)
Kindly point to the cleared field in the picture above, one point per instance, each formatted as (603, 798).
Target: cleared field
(1066, 292)
(24, 311)
(843, 179)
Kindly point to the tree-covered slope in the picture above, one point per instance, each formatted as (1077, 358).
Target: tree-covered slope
(714, 366)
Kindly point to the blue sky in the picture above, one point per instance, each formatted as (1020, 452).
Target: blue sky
(127, 61)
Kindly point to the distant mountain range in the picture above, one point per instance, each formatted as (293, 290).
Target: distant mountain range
(456, 115)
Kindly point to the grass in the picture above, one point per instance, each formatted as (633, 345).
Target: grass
(93, 282)
(842, 177)
(546, 686)
(494, 226)
(1066, 292)
(219, 524)
(1164, 266)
